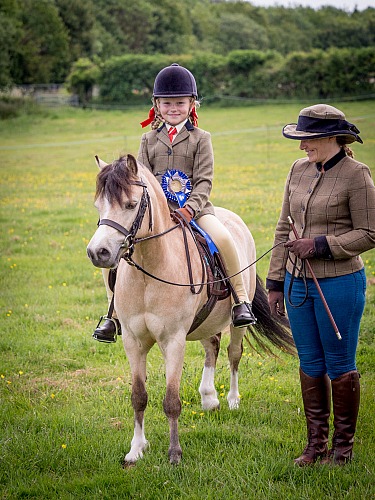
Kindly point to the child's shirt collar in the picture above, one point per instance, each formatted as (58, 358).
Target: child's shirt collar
(178, 127)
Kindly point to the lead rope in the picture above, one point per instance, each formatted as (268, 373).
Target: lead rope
(302, 273)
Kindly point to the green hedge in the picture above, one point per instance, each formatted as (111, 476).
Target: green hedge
(246, 74)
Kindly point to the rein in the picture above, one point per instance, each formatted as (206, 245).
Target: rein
(130, 261)
(130, 241)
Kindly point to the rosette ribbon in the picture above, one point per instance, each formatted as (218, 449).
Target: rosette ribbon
(177, 188)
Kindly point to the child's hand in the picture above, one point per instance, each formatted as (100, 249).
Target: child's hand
(182, 214)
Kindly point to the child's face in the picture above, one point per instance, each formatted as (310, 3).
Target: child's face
(174, 110)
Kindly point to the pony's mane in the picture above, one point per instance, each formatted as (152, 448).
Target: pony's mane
(115, 179)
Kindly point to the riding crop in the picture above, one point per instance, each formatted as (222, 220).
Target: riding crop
(290, 220)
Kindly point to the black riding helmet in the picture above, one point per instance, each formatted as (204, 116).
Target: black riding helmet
(175, 81)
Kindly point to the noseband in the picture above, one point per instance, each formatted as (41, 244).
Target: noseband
(130, 233)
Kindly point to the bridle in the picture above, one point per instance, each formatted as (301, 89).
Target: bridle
(130, 239)
(130, 233)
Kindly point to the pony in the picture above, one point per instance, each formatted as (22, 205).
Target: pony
(158, 305)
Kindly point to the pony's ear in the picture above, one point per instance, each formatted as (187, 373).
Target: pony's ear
(101, 164)
(132, 164)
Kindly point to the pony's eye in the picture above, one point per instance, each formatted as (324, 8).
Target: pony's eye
(130, 205)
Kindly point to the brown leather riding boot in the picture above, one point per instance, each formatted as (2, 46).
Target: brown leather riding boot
(345, 397)
(316, 395)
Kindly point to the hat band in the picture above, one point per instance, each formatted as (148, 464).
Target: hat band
(319, 125)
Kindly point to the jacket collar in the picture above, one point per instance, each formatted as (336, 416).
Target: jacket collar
(189, 126)
(332, 161)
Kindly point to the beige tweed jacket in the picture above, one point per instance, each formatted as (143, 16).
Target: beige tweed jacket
(191, 152)
(338, 204)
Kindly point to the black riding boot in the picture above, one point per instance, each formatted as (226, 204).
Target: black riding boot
(108, 331)
(242, 315)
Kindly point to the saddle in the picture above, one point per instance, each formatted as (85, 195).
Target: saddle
(218, 287)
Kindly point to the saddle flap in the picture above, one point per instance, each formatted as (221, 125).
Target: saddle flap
(217, 285)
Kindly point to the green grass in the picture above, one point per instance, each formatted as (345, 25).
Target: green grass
(65, 413)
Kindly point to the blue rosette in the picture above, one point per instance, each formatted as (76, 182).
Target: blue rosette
(176, 186)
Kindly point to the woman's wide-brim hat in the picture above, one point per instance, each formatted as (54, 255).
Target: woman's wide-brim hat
(319, 121)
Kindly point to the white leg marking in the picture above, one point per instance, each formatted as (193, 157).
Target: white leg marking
(138, 445)
(233, 397)
(207, 390)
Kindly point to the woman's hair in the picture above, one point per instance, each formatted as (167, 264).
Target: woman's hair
(158, 118)
(342, 142)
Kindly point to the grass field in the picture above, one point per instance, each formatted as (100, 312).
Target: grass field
(65, 416)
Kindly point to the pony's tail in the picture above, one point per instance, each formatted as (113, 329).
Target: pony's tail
(275, 329)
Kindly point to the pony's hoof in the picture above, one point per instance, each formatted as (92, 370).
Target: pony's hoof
(212, 405)
(175, 456)
(233, 403)
(128, 465)
(135, 453)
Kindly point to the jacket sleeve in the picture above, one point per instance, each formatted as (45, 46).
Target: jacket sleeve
(142, 153)
(203, 171)
(361, 198)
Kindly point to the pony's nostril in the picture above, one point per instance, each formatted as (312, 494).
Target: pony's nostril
(103, 254)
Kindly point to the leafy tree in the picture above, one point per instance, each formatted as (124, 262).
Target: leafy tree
(82, 78)
(290, 30)
(78, 18)
(128, 23)
(10, 33)
(338, 29)
(239, 32)
(171, 29)
(44, 45)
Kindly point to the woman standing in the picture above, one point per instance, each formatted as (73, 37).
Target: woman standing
(331, 199)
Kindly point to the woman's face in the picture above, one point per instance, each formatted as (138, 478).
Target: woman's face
(174, 110)
(320, 150)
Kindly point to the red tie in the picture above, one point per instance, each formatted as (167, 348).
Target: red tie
(172, 132)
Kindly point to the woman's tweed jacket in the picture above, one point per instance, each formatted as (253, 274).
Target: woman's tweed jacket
(191, 152)
(338, 204)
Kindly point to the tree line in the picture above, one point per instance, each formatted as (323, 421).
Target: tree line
(79, 41)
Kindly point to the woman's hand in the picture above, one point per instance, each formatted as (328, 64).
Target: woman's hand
(276, 302)
(303, 248)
